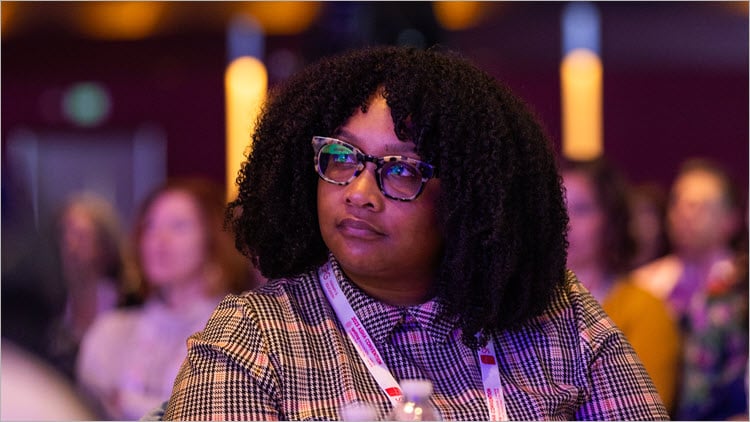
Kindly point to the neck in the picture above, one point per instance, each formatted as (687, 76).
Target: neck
(182, 294)
(704, 259)
(405, 291)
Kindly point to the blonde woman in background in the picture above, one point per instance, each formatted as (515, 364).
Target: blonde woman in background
(188, 263)
(94, 267)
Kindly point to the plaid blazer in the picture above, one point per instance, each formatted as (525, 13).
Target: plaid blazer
(279, 353)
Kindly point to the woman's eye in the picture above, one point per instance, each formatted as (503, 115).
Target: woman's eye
(343, 158)
(401, 170)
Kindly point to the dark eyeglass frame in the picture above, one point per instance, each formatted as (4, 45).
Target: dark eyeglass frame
(426, 170)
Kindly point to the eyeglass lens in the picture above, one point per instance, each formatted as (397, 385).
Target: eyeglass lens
(341, 164)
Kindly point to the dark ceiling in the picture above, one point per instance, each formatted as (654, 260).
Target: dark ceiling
(633, 32)
(675, 73)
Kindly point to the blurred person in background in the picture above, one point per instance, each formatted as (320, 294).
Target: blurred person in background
(95, 269)
(188, 263)
(63, 275)
(648, 204)
(704, 281)
(27, 379)
(599, 253)
(33, 298)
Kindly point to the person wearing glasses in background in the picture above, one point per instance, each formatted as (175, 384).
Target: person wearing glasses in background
(408, 213)
(600, 251)
(704, 283)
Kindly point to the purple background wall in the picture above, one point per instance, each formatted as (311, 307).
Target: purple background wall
(675, 76)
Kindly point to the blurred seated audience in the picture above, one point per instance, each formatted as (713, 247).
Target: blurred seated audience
(704, 281)
(34, 384)
(95, 269)
(599, 253)
(188, 263)
(648, 205)
(61, 273)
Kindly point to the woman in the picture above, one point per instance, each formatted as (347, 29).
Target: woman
(704, 282)
(129, 357)
(600, 252)
(408, 213)
(94, 266)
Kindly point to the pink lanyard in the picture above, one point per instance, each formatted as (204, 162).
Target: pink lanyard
(369, 354)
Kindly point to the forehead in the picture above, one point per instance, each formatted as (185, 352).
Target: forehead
(391, 147)
(78, 213)
(174, 202)
(699, 186)
(373, 130)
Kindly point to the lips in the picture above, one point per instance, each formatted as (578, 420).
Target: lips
(358, 228)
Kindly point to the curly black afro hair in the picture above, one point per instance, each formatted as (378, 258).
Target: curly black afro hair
(501, 206)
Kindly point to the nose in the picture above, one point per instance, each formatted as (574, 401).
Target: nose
(363, 191)
(156, 236)
(688, 210)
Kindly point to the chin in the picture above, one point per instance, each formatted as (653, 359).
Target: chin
(358, 261)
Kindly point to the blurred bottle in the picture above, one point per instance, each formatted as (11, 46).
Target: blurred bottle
(416, 404)
(356, 412)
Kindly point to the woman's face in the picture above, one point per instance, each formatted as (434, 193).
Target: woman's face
(80, 244)
(586, 221)
(374, 237)
(698, 216)
(173, 243)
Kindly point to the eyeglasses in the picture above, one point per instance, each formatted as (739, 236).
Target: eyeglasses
(398, 177)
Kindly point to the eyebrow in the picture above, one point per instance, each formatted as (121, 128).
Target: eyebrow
(400, 147)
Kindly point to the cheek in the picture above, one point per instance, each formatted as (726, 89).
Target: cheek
(422, 224)
(194, 247)
(148, 247)
(427, 220)
(324, 203)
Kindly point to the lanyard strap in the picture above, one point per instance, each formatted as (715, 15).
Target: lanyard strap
(493, 389)
(369, 354)
(358, 335)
